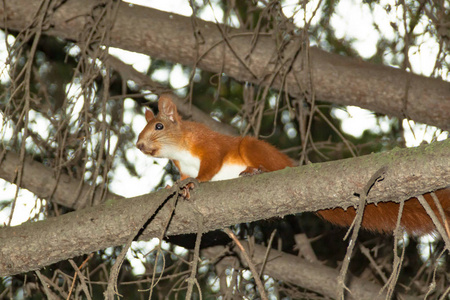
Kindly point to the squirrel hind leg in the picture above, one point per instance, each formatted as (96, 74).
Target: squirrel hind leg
(250, 171)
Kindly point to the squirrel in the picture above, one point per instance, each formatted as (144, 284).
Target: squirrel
(206, 155)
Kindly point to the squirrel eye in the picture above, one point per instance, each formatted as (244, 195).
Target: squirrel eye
(159, 126)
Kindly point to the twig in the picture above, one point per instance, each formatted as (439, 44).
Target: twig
(441, 212)
(378, 175)
(373, 263)
(435, 220)
(251, 265)
(112, 282)
(396, 264)
(48, 293)
(77, 271)
(178, 188)
(269, 246)
(445, 294)
(192, 279)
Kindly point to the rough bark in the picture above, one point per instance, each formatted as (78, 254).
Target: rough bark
(170, 37)
(309, 188)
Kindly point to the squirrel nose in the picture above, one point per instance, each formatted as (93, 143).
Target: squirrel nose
(140, 145)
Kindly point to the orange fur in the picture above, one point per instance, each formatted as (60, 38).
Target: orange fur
(214, 150)
(383, 216)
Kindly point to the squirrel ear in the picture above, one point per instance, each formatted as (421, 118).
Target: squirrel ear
(168, 109)
(149, 115)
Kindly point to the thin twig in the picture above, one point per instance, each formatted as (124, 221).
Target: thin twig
(48, 293)
(397, 263)
(378, 175)
(266, 256)
(179, 186)
(112, 282)
(192, 279)
(373, 263)
(78, 272)
(441, 213)
(435, 220)
(251, 265)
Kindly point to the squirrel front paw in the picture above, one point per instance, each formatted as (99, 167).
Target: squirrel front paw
(185, 186)
(185, 191)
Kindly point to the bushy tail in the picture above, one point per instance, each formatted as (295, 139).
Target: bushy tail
(382, 217)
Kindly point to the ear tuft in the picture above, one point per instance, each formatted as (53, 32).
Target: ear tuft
(168, 109)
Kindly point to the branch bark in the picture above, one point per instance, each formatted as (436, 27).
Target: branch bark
(170, 37)
(410, 172)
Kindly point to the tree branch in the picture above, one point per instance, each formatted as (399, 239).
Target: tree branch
(336, 79)
(410, 172)
(41, 180)
(306, 274)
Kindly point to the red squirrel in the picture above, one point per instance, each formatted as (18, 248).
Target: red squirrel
(206, 155)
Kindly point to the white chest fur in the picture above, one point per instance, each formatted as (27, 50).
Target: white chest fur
(190, 165)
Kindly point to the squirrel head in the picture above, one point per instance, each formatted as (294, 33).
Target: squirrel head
(161, 132)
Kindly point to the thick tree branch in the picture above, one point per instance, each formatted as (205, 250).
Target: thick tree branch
(170, 37)
(41, 180)
(317, 186)
(301, 275)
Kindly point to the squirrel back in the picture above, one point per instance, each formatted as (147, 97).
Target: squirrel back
(202, 153)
